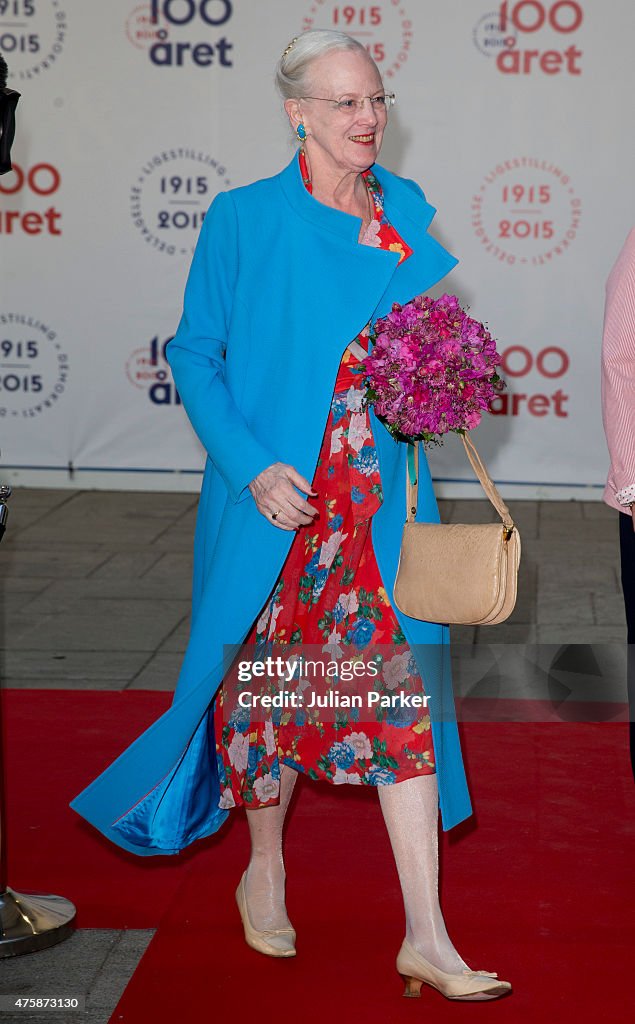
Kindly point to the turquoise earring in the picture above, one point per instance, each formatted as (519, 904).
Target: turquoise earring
(301, 132)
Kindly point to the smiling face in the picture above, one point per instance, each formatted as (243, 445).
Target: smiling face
(342, 139)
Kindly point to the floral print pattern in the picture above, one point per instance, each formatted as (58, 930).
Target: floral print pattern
(330, 593)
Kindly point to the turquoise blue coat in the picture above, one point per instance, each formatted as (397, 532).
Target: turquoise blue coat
(278, 287)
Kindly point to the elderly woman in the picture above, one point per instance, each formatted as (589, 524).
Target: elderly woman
(300, 519)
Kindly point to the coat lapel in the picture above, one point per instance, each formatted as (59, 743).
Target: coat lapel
(350, 278)
(411, 215)
(363, 282)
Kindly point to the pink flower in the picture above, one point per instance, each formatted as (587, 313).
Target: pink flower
(432, 369)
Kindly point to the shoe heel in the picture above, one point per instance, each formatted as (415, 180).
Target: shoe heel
(413, 987)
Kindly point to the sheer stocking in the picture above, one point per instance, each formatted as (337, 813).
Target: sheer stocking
(266, 876)
(410, 809)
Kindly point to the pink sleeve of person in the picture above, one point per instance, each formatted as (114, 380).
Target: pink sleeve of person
(618, 379)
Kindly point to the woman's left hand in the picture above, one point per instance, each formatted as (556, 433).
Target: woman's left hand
(277, 499)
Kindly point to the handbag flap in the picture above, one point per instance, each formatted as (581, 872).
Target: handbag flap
(452, 565)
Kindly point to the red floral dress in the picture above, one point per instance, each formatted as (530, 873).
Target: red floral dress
(330, 594)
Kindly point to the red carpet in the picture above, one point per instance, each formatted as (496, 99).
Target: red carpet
(537, 885)
(57, 741)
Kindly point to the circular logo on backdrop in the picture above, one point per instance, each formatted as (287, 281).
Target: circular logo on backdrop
(142, 369)
(384, 28)
(526, 211)
(33, 366)
(32, 34)
(142, 31)
(170, 196)
(490, 36)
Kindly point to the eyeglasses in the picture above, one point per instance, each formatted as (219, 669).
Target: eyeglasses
(380, 103)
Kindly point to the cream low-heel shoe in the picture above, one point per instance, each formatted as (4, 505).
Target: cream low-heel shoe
(415, 970)
(272, 941)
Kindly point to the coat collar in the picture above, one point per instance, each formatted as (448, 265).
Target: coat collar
(375, 276)
(403, 203)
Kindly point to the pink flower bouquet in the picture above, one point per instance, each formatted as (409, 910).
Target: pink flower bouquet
(432, 369)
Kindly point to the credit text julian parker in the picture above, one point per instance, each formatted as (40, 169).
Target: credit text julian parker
(333, 699)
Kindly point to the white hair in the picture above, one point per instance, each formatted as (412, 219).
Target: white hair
(292, 69)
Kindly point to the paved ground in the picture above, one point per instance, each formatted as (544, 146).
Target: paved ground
(96, 591)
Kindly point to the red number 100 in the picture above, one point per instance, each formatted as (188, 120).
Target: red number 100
(535, 15)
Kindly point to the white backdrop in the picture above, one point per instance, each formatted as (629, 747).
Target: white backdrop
(516, 121)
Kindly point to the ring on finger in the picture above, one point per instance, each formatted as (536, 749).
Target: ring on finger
(274, 515)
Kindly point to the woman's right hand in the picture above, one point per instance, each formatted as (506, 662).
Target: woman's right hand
(273, 491)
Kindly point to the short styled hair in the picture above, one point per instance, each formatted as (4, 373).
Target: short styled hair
(292, 70)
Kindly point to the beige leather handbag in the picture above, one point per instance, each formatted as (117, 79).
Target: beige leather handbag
(458, 573)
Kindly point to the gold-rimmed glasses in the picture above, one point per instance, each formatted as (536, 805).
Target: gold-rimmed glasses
(380, 103)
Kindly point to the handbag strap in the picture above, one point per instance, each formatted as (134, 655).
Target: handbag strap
(477, 464)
